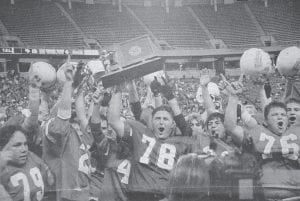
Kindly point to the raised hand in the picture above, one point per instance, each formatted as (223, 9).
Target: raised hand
(106, 98)
(233, 88)
(155, 86)
(204, 77)
(78, 76)
(69, 72)
(97, 96)
(166, 89)
(223, 82)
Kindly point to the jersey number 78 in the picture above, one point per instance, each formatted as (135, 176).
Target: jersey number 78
(166, 156)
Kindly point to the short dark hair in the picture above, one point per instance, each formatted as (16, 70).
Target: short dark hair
(271, 105)
(163, 108)
(292, 100)
(214, 115)
(6, 133)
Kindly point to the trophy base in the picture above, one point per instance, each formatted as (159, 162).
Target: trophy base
(132, 71)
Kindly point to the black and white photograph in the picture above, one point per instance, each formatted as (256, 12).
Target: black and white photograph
(149, 100)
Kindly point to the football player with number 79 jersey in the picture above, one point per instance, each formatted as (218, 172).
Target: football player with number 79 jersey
(276, 148)
(23, 174)
(154, 150)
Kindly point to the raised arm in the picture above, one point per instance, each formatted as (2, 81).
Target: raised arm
(265, 95)
(80, 110)
(133, 94)
(230, 122)
(207, 101)
(64, 106)
(96, 118)
(114, 112)
(34, 103)
(44, 110)
(247, 118)
(59, 127)
(134, 101)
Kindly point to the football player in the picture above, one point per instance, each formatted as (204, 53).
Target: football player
(293, 111)
(154, 150)
(29, 122)
(276, 149)
(23, 174)
(117, 171)
(66, 146)
(110, 155)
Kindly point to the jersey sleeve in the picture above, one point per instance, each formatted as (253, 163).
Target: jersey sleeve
(56, 129)
(96, 131)
(56, 132)
(136, 109)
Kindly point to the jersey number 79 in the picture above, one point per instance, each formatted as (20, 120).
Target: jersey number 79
(21, 179)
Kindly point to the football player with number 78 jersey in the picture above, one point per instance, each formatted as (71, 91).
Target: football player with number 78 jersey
(154, 150)
(276, 148)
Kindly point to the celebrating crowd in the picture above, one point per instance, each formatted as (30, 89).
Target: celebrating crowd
(166, 140)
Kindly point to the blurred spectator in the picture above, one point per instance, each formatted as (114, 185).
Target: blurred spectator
(13, 94)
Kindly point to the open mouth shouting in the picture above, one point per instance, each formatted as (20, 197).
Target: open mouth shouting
(215, 134)
(292, 120)
(161, 129)
(162, 132)
(280, 125)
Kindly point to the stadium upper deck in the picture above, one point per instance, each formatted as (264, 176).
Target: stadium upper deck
(52, 24)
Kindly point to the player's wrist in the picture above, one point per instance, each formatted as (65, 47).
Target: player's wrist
(34, 93)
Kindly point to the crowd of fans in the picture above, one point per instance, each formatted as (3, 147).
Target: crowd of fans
(156, 141)
(13, 94)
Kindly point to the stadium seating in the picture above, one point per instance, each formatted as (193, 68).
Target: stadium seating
(42, 24)
(178, 27)
(281, 19)
(105, 23)
(39, 24)
(231, 23)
